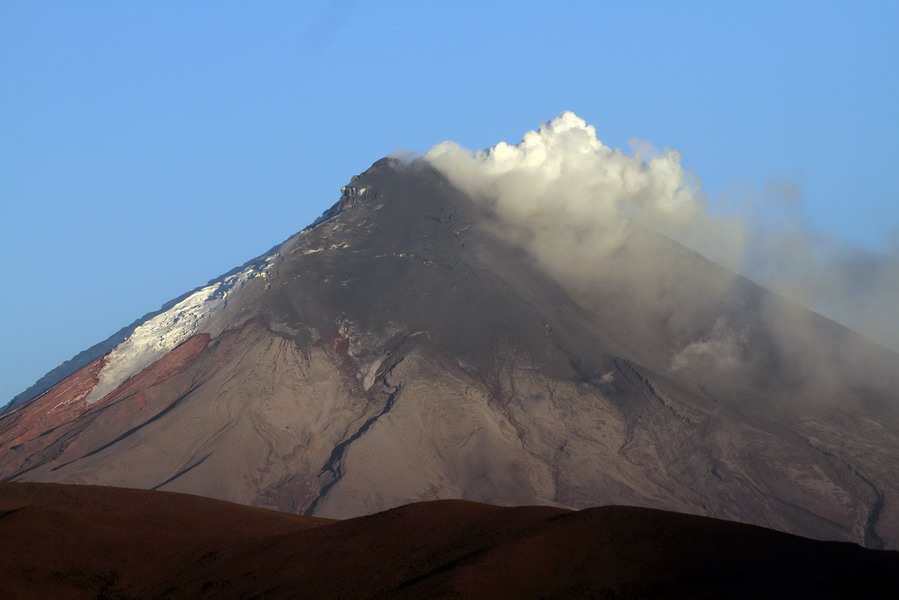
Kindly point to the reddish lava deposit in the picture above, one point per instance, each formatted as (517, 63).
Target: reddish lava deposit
(60, 404)
(66, 401)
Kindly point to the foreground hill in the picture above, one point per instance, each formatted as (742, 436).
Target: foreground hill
(69, 541)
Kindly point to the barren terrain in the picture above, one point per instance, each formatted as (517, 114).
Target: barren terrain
(69, 541)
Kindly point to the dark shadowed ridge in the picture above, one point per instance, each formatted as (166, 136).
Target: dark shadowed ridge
(66, 541)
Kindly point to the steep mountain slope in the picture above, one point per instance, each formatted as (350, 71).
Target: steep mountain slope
(72, 541)
(404, 348)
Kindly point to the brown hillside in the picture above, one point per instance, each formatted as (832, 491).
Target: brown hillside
(64, 541)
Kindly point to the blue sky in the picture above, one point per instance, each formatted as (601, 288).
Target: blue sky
(147, 147)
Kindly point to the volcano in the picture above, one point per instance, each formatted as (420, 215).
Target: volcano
(406, 347)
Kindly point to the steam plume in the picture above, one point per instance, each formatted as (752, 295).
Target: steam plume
(590, 215)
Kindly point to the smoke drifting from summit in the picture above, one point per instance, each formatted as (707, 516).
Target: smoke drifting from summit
(565, 187)
(591, 215)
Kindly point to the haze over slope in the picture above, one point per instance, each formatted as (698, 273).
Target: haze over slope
(571, 201)
(428, 338)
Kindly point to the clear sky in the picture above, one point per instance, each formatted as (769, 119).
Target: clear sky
(147, 147)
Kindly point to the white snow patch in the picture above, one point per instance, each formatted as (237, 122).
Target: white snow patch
(159, 335)
(370, 370)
